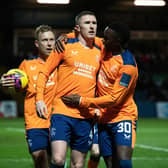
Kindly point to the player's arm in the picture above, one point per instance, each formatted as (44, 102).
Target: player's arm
(121, 87)
(52, 62)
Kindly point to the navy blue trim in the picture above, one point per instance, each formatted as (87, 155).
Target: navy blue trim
(128, 58)
(97, 46)
(32, 57)
(72, 40)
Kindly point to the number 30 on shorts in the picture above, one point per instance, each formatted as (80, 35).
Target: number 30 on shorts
(124, 126)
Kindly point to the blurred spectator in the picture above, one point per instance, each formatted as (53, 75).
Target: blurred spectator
(164, 90)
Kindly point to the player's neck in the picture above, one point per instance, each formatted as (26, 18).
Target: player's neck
(43, 57)
(86, 42)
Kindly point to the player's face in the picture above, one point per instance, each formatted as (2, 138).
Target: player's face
(46, 43)
(111, 40)
(88, 26)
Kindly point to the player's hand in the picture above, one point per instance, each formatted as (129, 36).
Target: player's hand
(41, 109)
(59, 43)
(97, 113)
(7, 81)
(72, 100)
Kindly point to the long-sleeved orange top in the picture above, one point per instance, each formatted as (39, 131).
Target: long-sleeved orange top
(115, 89)
(32, 68)
(78, 67)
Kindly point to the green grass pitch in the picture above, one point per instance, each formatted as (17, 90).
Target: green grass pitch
(151, 149)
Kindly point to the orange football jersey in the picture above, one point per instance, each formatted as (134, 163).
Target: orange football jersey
(115, 89)
(32, 68)
(77, 70)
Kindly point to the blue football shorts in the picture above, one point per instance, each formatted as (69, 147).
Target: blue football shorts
(76, 132)
(95, 134)
(114, 134)
(38, 139)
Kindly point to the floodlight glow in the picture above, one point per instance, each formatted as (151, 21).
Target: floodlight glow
(53, 1)
(149, 3)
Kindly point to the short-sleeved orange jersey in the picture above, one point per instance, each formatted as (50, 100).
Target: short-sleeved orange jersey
(77, 70)
(115, 88)
(32, 68)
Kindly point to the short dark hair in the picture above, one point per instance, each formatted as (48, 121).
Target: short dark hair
(122, 31)
(42, 29)
(83, 13)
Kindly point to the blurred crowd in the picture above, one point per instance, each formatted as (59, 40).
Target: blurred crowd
(152, 60)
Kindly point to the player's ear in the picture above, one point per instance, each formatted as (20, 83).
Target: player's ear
(77, 28)
(36, 43)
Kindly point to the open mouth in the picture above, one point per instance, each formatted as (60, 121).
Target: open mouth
(49, 49)
(92, 33)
